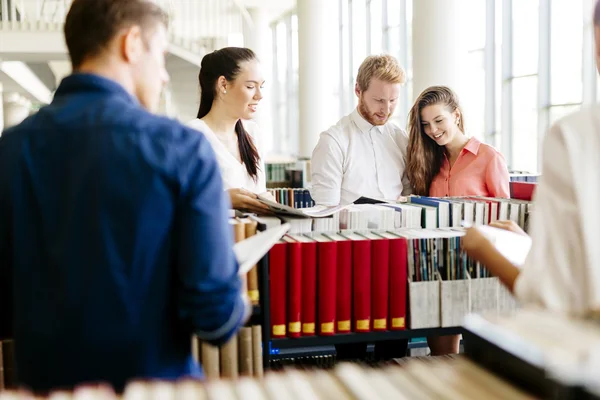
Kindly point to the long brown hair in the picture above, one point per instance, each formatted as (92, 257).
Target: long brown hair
(226, 62)
(424, 155)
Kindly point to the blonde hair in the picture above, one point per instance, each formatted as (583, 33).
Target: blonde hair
(424, 155)
(383, 67)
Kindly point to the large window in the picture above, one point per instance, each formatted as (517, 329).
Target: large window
(529, 62)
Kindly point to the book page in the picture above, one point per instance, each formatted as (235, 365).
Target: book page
(249, 251)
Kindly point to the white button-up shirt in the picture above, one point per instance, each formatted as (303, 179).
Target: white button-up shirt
(562, 269)
(354, 158)
(233, 172)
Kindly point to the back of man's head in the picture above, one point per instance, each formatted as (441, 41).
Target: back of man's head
(92, 24)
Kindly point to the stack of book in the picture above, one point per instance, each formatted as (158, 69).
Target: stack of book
(335, 283)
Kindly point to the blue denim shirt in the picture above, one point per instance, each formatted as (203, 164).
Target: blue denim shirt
(114, 241)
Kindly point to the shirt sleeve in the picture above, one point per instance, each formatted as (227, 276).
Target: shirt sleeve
(209, 296)
(403, 144)
(497, 178)
(549, 277)
(327, 171)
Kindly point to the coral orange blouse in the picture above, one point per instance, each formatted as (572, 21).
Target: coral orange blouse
(479, 170)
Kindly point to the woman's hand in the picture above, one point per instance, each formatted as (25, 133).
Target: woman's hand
(509, 226)
(475, 244)
(243, 200)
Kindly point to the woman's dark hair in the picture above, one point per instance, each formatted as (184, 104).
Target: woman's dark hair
(226, 62)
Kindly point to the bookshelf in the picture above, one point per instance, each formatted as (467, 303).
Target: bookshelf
(316, 345)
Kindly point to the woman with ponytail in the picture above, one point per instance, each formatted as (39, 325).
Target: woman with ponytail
(442, 161)
(230, 84)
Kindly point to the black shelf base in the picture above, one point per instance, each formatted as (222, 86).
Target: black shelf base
(370, 337)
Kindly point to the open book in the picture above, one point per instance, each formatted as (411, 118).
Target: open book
(513, 246)
(249, 251)
(318, 211)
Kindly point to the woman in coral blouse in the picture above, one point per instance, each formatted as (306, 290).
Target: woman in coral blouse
(442, 161)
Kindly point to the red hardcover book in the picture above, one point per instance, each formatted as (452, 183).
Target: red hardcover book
(309, 284)
(522, 190)
(361, 282)
(326, 284)
(398, 281)
(380, 268)
(278, 285)
(294, 287)
(343, 308)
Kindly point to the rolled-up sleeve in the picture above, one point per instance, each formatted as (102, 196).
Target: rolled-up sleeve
(208, 295)
(327, 171)
(497, 178)
(551, 276)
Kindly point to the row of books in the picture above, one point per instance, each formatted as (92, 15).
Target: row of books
(240, 356)
(423, 378)
(415, 212)
(335, 283)
(244, 228)
(293, 174)
(521, 176)
(295, 198)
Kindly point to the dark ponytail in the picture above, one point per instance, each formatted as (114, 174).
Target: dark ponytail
(226, 62)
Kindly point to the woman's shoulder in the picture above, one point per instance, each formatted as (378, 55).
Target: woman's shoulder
(485, 149)
(197, 124)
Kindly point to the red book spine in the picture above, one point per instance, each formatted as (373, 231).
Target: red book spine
(380, 267)
(278, 285)
(344, 287)
(398, 283)
(326, 271)
(361, 285)
(309, 288)
(294, 275)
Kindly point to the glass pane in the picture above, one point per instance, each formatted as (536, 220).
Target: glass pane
(281, 53)
(475, 29)
(359, 34)
(376, 27)
(566, 31)
(524, 124)
(394, 41)
(345, 67)
(557, 112)
(525, 18)
(294, 21)
(473, 98)
(393, 12)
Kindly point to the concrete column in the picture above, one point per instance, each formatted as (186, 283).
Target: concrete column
(438, 44)
(317, 51)
(16, 109)
(257, 37)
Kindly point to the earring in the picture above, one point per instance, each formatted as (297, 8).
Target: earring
(224, 91)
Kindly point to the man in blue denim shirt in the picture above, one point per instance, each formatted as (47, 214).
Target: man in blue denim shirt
(114, 240)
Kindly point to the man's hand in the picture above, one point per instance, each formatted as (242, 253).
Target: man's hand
(509, 226)
(243, 200)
